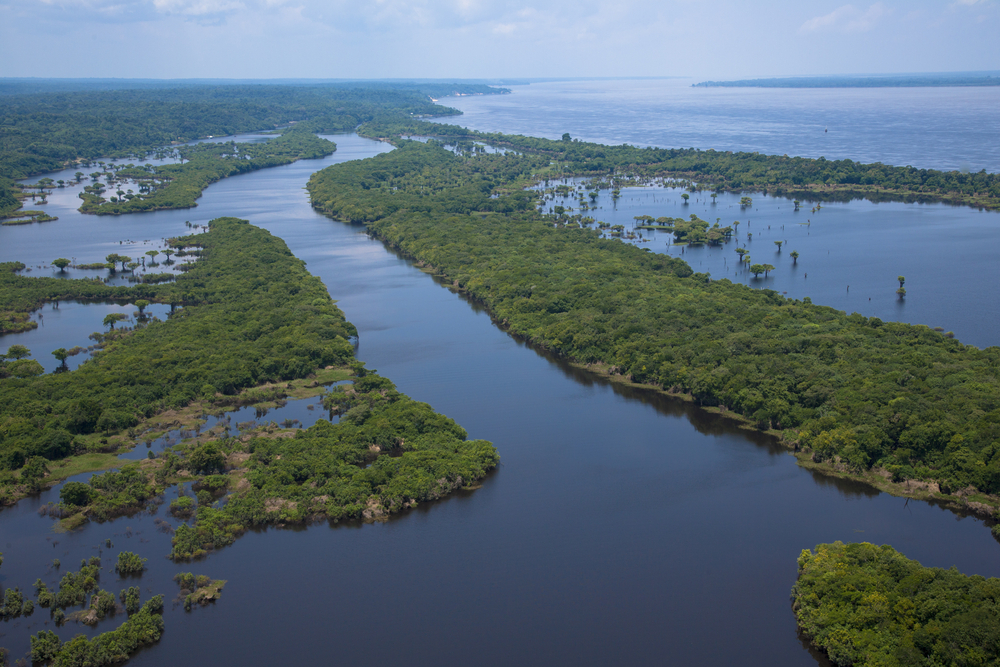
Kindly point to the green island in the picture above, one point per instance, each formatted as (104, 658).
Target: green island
(198, 589)
(80, 589)
(255, 328)
(867, 605)
(901, 407)
(252, 318)
(179, 185)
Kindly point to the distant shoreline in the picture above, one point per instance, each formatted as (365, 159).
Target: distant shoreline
(899, 81)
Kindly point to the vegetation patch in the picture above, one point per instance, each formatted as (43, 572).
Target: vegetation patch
(179, 185)
(863, 604)
(857, 393)
(198, 590)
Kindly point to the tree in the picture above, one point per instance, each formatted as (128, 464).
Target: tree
(741, 252)
(795, 256)
(714, 195)
(16, 352)
(76, 493)
(152, 256)
(566, 137)
(61, 263)
(685, 196)
(901, 292)
(79, 176)
(207, 458)
(756, 269)
(797, 203)
(901, 279)
(778, 243)
(141, 305)
(767, 269)
(111, 318)
(113, 259)
(61, 354)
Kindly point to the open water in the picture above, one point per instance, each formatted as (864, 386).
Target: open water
(621, 528)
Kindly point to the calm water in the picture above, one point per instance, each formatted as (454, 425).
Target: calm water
(69, 324)
(850, 253)
(939, 128)
(621, 527)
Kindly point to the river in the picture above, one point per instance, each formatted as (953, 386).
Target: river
(621, 527)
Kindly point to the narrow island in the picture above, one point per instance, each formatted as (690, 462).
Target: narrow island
(898, 406)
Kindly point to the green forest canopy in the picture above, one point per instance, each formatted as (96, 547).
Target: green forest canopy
(868, 605)
(855, 390)
(252, 313)
(42, 132)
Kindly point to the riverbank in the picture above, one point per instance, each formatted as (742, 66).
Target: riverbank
(964, 502)
(842, 387)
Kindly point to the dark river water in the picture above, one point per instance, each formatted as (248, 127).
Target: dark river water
(620, 528)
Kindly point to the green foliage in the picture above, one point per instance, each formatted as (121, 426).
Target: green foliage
(179, 185)
(13, 604)
(19, 295)
(821, 179)
(78, 494)
(856, 390)
(199, 589)
(142, 628)
(46, 131)
(387, 453)
(130, 563)
(45, 646)
(252, 315)
(130, 598)
(868, 605)
(74, 586)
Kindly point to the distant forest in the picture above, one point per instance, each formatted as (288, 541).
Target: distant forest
(45, 131)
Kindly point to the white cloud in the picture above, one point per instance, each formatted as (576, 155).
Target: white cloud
(849, 18)
(197, 7)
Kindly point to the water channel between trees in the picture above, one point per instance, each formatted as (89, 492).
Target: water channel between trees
(621, 527)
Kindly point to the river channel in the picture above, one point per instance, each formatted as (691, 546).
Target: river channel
(620, 528)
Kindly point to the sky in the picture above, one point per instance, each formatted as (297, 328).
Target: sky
(717, 39)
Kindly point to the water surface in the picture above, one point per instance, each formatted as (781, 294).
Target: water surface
(621, 527)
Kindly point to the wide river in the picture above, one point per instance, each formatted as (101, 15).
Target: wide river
(621, 527)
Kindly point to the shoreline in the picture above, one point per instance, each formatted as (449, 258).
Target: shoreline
(982, 506)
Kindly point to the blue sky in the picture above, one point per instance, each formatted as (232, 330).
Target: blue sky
(493, 38)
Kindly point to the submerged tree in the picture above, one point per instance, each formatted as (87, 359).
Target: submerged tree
(111, 318)
(61, 355)
(61, 264)
(795, 256)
